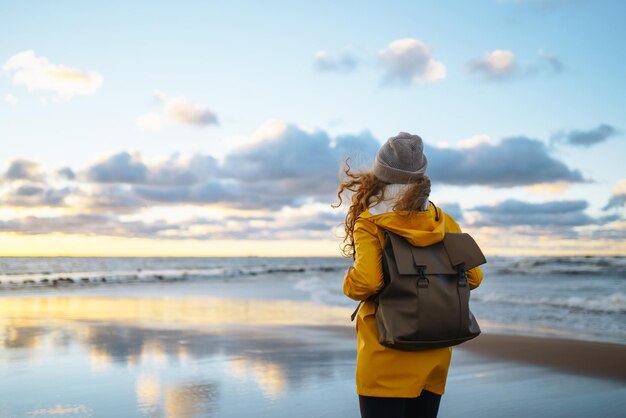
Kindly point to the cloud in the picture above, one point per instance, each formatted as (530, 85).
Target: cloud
(326, 62)
(303, 223)
(453, 209)
(118, 168)
(496, 64)
(176, 111)
(286, 162)
(501, 64)
(515, 161)
(22, 169)
(555, 63)
(278, 176)
(408, 61)
(179, 171)
(615, 231)
(118, 198)
(290, 153)
(361, 148)
(34, 195)
(184, 112)
(26, 186)
(282, 165)
(618, 200)
(549, 188)
(587, 138)
(66, 173)
(205, 192)
(547, 214)
(86, 224)
(173, 171)
(37, 73)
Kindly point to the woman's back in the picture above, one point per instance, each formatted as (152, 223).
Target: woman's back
(383, 371)
(393, 196)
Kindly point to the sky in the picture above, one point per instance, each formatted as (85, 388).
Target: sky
(206, 128)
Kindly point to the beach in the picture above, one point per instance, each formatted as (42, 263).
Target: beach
(263, 337)
(84, 354)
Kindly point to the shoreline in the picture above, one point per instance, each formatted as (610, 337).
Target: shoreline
(589, 358)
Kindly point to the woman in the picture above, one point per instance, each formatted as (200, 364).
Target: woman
(393, 196)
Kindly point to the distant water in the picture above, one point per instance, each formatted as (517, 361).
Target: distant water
(573, 297)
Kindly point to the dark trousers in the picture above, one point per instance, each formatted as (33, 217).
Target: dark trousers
(424, 406)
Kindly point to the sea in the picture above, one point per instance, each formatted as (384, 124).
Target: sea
(570, 297)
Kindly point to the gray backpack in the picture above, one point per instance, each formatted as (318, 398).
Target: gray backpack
(425, 300)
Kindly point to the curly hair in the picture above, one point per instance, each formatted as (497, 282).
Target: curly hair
(367, 190)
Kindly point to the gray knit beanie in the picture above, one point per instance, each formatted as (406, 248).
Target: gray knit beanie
(401, 159)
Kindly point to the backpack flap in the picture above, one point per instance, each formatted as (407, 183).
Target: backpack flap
(463, 250)
(433, 258)
(409, 258)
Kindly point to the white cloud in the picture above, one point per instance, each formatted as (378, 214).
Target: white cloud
(10, 99)
(549, 188)
(621, 188)
(474, 141)
(326, 62)
(270, 129)
(618, 199)
(176, 111)
(410, 61)
(184, 112)
(495, 64)
(501, 64)
(22, 169)
(37, 73)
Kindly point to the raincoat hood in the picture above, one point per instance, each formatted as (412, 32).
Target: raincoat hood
(419, 228)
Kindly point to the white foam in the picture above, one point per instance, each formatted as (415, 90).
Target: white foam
(615, 302)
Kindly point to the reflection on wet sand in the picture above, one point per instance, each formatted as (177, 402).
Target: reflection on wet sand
(269, 376)
(191, 400)
(178, 365)
(15, 336)
(173, 311)
(149, 393)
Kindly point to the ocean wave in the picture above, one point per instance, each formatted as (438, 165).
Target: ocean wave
(52, 279)
(612, 303)
(325, 292)
(574, 265)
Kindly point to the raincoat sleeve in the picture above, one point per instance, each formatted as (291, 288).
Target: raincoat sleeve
(365, 277)
(475, 275)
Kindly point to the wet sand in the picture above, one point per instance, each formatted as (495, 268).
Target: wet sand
(603, 360)
(208, 357)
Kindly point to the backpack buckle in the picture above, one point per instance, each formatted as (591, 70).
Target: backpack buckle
(462, 281)
(422, 280)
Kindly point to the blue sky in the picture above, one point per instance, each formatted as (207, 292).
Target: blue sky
(288, 80)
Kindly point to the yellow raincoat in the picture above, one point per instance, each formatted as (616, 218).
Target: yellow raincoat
(382, 371)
